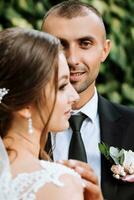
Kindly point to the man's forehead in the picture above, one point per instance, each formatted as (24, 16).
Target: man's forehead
(90, 16)
(80, 26)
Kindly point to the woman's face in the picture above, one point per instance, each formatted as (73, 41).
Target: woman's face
(66, 96)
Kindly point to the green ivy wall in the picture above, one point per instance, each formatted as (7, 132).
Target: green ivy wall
(116, 78)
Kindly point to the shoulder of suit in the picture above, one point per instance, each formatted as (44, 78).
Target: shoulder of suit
(123, 109)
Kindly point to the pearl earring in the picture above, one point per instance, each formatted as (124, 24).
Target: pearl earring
(30, 126)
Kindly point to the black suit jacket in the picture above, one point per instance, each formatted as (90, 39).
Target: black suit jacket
(117, 129)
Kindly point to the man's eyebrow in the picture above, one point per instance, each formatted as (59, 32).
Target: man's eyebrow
(90, 38)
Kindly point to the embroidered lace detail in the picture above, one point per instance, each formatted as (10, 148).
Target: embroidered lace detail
(25, 185)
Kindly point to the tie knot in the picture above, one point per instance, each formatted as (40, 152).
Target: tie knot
(76, 121)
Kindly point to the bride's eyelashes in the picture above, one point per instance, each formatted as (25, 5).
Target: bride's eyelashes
(63, 86)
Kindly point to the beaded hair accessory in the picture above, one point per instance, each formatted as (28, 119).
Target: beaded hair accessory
(3, 92)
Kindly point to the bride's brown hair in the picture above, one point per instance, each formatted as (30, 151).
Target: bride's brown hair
(28, 61)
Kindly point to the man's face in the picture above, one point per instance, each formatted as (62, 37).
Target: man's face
(83, 39)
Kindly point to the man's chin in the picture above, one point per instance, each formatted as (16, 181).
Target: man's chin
(82, 87)
(80, 90)
(77, 87)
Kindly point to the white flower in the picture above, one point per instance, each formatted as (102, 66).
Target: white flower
(123, 167)
(128, 163)
(117, 155)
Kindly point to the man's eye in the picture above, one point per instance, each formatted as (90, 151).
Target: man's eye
(85, 44)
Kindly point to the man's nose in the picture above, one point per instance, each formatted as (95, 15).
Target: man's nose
(72, 55)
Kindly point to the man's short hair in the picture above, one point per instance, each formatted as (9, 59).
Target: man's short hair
(70, 9)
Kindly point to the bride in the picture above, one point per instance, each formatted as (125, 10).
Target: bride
(35, 97)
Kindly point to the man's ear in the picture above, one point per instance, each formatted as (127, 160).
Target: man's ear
(106, 49)
(25, 112)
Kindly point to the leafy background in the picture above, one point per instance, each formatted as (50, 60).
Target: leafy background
(116, 78)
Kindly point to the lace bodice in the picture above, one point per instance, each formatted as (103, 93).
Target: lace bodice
(25, 185)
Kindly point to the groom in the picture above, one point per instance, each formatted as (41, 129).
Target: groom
(82, 33)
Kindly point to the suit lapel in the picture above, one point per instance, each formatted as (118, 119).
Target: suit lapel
(112, 130)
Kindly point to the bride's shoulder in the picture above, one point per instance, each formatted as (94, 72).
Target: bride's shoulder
(52, 180)
(57, 169)
(68, 181)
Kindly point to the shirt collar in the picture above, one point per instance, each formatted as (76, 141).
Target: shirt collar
(90, 108)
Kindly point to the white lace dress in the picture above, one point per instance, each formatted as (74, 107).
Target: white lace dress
(25, 185)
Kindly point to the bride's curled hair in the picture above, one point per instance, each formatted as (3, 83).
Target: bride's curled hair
(28, 61)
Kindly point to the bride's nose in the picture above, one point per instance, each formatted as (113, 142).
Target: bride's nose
(73, 95)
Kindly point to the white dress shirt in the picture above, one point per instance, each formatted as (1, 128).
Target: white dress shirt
(90, 132)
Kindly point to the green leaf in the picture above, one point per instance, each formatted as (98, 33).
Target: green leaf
(122, 159)
(28, 6)
(118, 10)
(104, 149)
(128, 91)
(115, 97)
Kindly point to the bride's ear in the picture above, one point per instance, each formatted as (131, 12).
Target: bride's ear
(25, 112)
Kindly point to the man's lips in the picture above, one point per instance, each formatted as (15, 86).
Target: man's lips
(76, 76)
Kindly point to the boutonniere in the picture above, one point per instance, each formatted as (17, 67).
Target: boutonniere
(122, 161)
